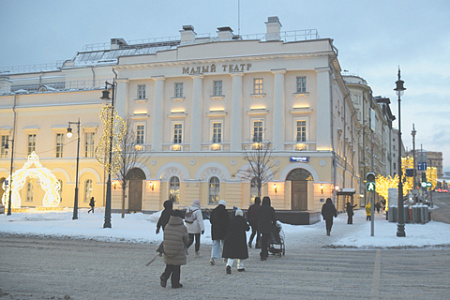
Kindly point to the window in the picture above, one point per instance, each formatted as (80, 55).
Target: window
(258, 86)
(31, 143)
(89, 148)
(141, 91)
(217, 87)
(60, 190)
(257, 131)
(179, 90)
(214, 190)
(301, 131)
(139, 134)
(87, 191)
(59, 144)
(253, 189)
(217, 133)
(174, 189)
(301, 84)
(30, 188)
(177, 133)
(4, 153)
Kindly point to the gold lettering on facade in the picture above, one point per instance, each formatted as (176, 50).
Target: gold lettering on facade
(213, 69)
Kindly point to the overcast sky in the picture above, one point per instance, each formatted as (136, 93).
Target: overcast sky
(373, 39)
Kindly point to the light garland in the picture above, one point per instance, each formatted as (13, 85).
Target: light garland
(32, 169)
(119, 129)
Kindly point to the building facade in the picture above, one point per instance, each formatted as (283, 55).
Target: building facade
(196, 105)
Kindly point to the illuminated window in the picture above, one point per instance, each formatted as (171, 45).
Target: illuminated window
(257, 131)
(179, 90)
(59, 144)
(217, 133)
(87, 191)
(174, 189)
(177, 133)
(30, 189)
(60, 189)
(301, 84)
(89, 148)
(253, 189)
(141, 92)
(258, 86)
(139, 134)
(301, 131)
(217, 87)
(4, 152)
(31, 143)
(214, 190)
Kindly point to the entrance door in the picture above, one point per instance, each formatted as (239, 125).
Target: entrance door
(299, 195)
(135, 177)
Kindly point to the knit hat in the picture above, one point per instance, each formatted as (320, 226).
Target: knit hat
(223, 202)
(239, 212)
(196, 202)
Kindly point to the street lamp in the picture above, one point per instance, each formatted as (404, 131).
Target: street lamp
(69, 135)
(105, 97)
(8, 213)
(399, 89)
(413, 133)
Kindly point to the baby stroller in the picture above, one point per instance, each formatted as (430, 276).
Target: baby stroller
(276, 241)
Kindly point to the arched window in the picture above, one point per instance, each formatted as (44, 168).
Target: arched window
(214, 190)
(174, 189)
(253, 189)
(87, 190)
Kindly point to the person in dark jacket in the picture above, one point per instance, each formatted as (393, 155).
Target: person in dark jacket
(252, 217)
(176, 240)
(163, 220)
(92, 205)
(266, 220)
(350, 213)
(328, 212)
(235, 246)
(219, 223)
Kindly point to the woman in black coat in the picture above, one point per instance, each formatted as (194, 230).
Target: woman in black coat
(328, 212)
(235, 246)
(219, 224)
(266, 220)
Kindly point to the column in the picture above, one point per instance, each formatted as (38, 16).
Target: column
(279, 111)
(158, 114)
(196, 114)
(324, 117)
(236, 113)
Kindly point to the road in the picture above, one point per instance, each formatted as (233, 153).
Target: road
(35, 268)
(442, 212)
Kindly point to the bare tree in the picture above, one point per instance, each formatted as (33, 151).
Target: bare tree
(130, 157)
(261, 166)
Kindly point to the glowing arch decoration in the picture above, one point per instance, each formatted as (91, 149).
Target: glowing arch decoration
(32, 169)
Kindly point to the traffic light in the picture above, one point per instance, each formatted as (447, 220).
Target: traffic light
(370, 179)
(424, 177)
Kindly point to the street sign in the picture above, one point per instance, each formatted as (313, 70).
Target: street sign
(422, 166)
(428, 184)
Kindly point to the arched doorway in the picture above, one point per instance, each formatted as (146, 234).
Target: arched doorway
(299, 188)
(135, 177)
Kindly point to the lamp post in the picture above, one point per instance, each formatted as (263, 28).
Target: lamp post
(69, 135)
(413, 133)
(399, 89)
(8, 213)
(105, 97)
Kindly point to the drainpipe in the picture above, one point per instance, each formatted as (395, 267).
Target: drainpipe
(330, 64)
(93, 76)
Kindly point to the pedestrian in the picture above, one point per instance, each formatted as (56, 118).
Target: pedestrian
(378, 206)
(196, 227)
(176, 240)
(368, 211)
(235, 246)
(350, 213)
(266, 220)
(219, 223)
(163, 220)
(252, 217)
(92, 205)
(328, 212)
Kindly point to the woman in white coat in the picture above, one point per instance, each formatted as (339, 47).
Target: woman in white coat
(196, 227)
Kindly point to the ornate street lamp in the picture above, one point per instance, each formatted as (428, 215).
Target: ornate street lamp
(399, 89)
(413, 133)
(69, 135)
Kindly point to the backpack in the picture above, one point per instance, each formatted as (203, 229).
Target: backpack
(189, 217)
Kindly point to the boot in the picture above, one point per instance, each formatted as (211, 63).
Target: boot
(163, 280)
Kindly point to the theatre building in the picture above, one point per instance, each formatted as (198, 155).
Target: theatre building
(196, 105)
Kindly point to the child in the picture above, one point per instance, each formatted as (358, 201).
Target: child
(176, 240)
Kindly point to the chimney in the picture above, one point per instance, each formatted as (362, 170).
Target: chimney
(273, 27)
(225, 34)
(187, 35)
(116, 43)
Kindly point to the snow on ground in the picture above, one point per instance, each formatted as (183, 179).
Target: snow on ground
(141, 228)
